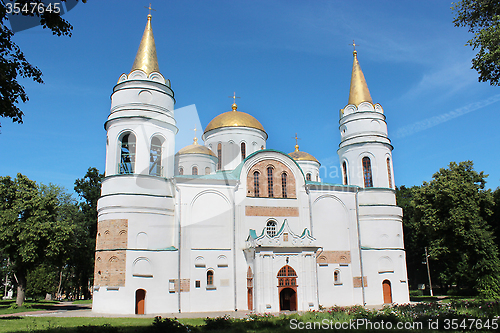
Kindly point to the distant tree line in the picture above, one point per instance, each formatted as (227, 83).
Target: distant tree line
(47, 238)
(458, 220)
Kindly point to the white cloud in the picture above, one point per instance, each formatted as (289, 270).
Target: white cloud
(436, 120)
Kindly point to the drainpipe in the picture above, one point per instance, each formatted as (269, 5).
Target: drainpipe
(359, 249)
(178, 190)
(234, 246)
(310, 210)
(317, 279)
(311, 229)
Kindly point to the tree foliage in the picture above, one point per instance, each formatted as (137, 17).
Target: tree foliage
(449, 215)
(13, 63)
(482, 17)
(88, 189)
(33, 228)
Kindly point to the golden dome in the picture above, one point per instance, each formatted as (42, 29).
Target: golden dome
(195, 148)
(234, 119)
(302, 155)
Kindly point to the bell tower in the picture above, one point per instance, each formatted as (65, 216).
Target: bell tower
(136, 211)
(365, 153)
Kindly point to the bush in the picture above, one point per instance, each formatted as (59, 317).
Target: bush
(168, 325)
(417, 292)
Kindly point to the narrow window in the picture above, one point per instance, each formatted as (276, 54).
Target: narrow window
(367, 172)
(155, 157)
(207, 170)
(271, 228)
(194, 171)
(243, 151)
(197, 283)
(344, 169)
(219, 156)
(308, 176)
(210, 278)
(256, 184)
(336, 277)
(270, 182)
(283, 184)
(389, 172)
(285, 237)
(181, 171)
(127, 156)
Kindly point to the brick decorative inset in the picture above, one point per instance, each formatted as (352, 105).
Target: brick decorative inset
(185, 285)
(334, 257)
(110, 264)
(356, 281)
(110, 268)
(278, 169)
(271, 211)
(112, 234)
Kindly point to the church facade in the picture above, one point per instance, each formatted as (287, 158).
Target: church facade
(229, 224)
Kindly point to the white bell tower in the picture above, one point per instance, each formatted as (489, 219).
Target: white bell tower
(136, 210)
(365, 153)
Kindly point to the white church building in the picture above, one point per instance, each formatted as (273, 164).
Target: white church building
(230, 224)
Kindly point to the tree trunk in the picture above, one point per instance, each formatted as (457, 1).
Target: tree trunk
(21, 288)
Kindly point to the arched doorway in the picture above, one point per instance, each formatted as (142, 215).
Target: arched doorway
(140, 298)
(386, 287)
(287, 288)
(288, 299)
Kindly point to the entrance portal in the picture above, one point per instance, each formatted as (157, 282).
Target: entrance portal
(386, 287)
(140, 297)
(287, 288)
(288, 299)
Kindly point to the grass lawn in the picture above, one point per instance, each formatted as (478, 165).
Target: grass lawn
(54, 324)
(6, 306)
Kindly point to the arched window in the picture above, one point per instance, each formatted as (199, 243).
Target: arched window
(270, 182)
(210, 278)
(207, 170)
(389, 172)
(181, 171)
(308, 176)
(219, 156)
(367, 172)
(287, 276)
(127, 154)
(194, 171)
(344, 170)
(283, 184)
(336, 277)
(256, 184)
(271, 228)
(155, 157)
(243, 151)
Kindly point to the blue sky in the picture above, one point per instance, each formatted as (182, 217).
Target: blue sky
(290, 61)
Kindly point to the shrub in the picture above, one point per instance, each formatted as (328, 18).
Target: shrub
(168, 325)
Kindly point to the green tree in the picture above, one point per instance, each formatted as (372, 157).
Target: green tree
(13, 63)
(482, 17)
(89, 191)
(450, 215)
(31, 229)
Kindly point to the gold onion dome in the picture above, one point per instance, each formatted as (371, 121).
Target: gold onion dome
(234, 118)
(196, 148)
(302, 155)
(146, 59)
(359, 89)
